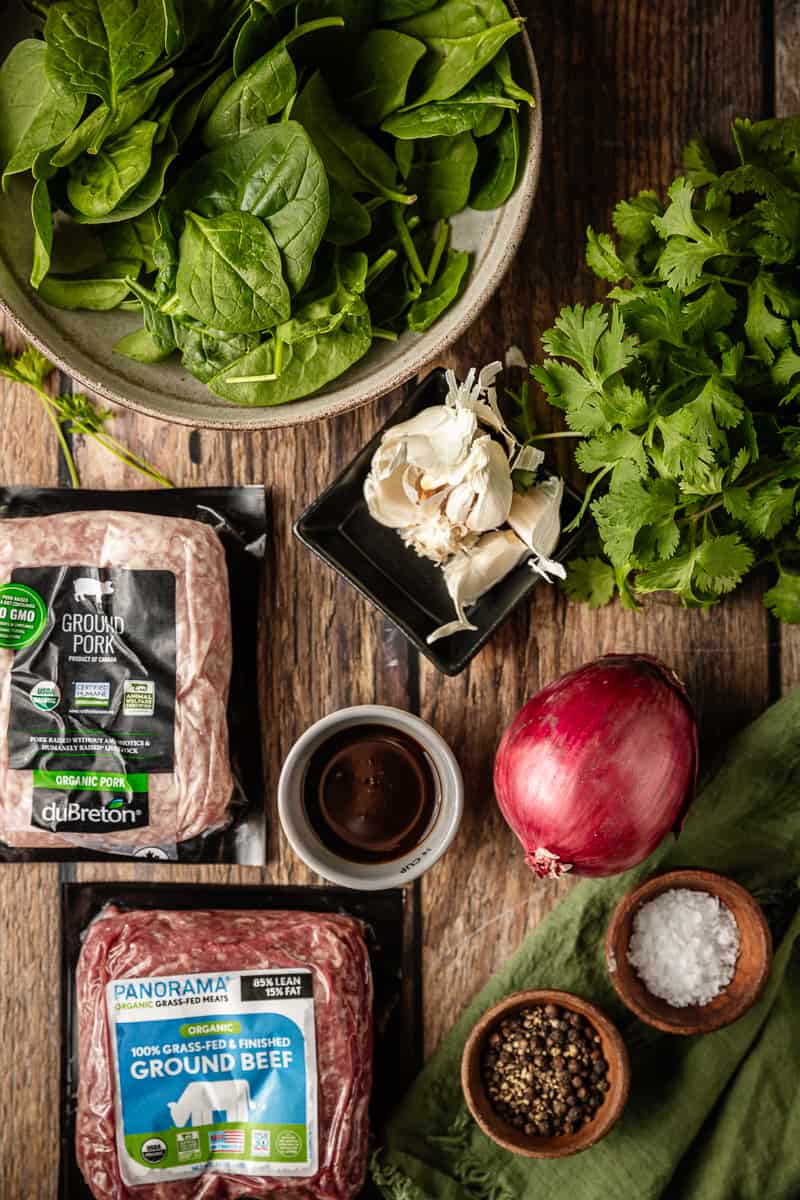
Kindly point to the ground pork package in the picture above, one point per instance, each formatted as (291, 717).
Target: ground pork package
(117, 651)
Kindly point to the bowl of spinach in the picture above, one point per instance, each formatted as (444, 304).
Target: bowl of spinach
(253, 213)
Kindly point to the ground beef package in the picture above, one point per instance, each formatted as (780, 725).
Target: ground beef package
(124, 617)
(221, 1053)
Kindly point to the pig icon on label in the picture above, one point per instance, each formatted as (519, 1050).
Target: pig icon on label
(92, 589)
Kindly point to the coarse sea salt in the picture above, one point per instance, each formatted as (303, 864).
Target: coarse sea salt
(684, 946)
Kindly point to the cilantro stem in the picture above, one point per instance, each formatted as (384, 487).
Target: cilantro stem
(589, 492)
(52, 413)
(543, 437)
(764, 477)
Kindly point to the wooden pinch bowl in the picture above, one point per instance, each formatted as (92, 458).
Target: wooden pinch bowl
(516, 1140)
(752, 967)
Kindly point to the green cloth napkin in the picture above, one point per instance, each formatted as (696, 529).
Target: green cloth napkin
(708, 1118)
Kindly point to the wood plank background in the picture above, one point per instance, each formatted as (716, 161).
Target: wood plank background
(626, 83)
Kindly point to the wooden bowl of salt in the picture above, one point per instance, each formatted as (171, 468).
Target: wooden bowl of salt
(692, 971)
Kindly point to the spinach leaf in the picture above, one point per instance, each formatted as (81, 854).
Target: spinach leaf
(99, 288)
(36, 113)
(145, 195)
(453, 62)
(307, 365)
(358, 15)
(261, 92)
(277, 175)
(100, 125)
(42, 219)
(496, 176)
(324, 337)
(441, 172)
(393, 292)
(456, 19)
(491, 121)
(99, 183)
(207, 352)
(446, 288)
(444, 118)
(349, 221)
(352, 159)
(256, 36)
(142, 347)
(229, 273)
(397, 10)
(101, 46)
(502, 67)
(132, 239)
(379, 73)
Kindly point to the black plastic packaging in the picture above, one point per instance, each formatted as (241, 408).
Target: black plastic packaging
(239, 517)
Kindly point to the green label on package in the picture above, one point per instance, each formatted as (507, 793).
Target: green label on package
(23, 616)
(214, 1073)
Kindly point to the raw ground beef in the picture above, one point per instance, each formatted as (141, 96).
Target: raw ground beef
(143, 943)
(195, 798)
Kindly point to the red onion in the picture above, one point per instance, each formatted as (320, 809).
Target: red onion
(598, 767)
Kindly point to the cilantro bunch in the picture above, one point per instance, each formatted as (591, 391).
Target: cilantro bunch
(684, 386)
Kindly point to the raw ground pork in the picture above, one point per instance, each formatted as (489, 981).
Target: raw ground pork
(194, 799)
(141, 943)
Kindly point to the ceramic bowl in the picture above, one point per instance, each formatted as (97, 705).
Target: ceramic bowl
(752, 967)
(81, 343)
(371, 877)
(516, 1140)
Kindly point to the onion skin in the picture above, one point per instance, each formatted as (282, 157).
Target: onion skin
(598, 767)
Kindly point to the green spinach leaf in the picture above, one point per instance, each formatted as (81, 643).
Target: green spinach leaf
(36, 112)
(352, 159)
(206, 352)
(443, 292)
(261, 92)
(464, 112)
(142, 347)
(349, 221)
(496, 177)
(453, 62)
(275, 174)
(100, 47)
(489, 123)
(132, 239)
(441, 172)
(145, 195)
(255, 38)
(42, 219)
(99, 288)
(229, 273)
(456, 19)
(377, 78)
(99, 183)
(502, 67)
(398, 10)
(100, 125)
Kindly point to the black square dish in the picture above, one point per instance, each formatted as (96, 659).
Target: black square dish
(410, 590)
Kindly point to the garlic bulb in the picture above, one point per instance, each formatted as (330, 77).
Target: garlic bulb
(444, 481)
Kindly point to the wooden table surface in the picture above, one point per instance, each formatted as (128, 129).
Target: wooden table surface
(625, 83)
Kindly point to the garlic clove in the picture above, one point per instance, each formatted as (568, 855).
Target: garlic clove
(472, 573)
(388, 501)
(535, 517)
(435, 437)
(495, 492)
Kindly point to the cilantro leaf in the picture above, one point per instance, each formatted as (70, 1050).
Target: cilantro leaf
(699, 163)
(590, 580)
(689, 245)
(767, 307)
(628, 508)
(722, 562)
(602, 257)
(783, 598)
(772, 506)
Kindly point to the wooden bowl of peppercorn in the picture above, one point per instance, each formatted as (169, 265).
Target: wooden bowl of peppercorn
(545, 1073)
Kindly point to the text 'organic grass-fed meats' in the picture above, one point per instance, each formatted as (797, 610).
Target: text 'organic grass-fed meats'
(223, 1054)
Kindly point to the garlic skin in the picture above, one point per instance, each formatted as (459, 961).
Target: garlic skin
(444, 481)
(472, 573)
(535, 517)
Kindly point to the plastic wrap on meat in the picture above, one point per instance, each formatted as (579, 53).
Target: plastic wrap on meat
(139, 943)
(195, 798)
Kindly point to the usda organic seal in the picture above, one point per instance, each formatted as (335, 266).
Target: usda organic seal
(45, 695)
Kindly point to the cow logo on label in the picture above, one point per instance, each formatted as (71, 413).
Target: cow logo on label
(45, 695)
(87, 588)
(201, 1101)
(153, 1150)
(153, 852)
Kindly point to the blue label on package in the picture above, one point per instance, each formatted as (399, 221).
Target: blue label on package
(215, 1072)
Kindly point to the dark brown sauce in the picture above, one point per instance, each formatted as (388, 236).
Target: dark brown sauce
(370, 793)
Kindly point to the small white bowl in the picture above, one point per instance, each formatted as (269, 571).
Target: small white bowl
(370, 877)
